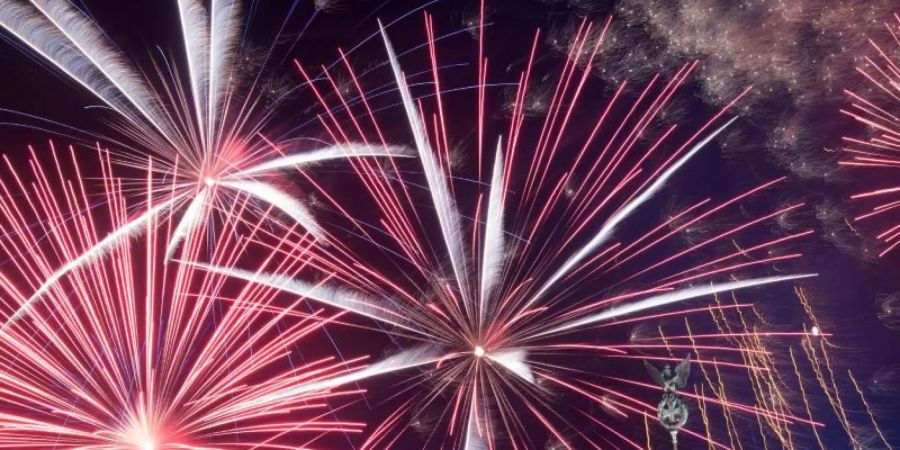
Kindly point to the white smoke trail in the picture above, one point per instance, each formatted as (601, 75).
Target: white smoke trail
(195, 31)
(223, 36)
(281, 200)
(92, 42)
(514, 361)
(130, 229)
(347, 300)
(189, 220)
(610, 225)
(673, 297)
(407, 359)
(474, 441)
(493, 232)
(448, 217)
(35, 31)
(332, 152)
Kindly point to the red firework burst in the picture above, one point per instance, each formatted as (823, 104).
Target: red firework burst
(128, 350)
(503, 300)
(879, 111)
(207, 124)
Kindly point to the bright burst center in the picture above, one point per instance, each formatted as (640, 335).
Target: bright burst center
(479, 351)
(148, 445)
(209, 181)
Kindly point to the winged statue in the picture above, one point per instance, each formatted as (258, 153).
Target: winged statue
(672, 412)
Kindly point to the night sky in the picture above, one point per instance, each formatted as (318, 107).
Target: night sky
(795, 58)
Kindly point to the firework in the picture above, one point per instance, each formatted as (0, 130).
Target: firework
(132, 351)
(505, 303)
(209, 134)
(878, 112)
(836, 392)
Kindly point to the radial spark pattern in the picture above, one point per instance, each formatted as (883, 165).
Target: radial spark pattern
(516, 282)
(877, 106)
(133, 351)
(206, 121)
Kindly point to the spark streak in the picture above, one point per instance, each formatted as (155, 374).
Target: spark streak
(131, 351)
(205, 146)
(880, 113)
(523, 276)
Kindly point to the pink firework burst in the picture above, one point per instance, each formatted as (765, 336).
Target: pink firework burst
(879, 112)
(205, 121)
(133, 351)
(510, 281)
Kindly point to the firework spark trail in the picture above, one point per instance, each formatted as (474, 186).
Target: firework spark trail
(609, 226)
(721, 389)
(671, 297)
(816, 347)
(803, 395)
(766, 382)
(869, 411)
(493, 233)
(497, 310)
(763, 381)
(134, 351)
(880, 113)
(447, 214)
(208, 146)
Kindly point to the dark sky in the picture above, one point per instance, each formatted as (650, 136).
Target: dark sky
(845, 295)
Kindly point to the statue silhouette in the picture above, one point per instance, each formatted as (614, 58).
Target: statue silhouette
(672, 412)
